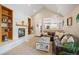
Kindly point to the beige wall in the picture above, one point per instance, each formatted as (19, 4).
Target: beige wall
(74, 29)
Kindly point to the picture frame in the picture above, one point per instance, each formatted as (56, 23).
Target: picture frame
(77, 18)
(69, 21)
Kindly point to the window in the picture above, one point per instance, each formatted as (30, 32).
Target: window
(51, 26)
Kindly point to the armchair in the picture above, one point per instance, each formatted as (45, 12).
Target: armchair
(68, 48)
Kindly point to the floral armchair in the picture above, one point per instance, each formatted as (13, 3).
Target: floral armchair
(67, 48)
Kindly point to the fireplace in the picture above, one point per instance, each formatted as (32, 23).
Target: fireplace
(21, 32)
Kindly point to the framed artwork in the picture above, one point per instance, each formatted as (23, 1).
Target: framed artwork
(69, 21)
(77, 18)
(63, 23)
(47, 27)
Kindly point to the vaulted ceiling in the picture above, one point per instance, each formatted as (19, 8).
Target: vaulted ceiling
(31, 9)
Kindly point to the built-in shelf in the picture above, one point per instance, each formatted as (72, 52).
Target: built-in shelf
(6, 22)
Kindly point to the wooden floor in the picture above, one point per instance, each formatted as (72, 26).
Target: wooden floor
(27, 48)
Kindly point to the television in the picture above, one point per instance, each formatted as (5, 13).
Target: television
(21, 32)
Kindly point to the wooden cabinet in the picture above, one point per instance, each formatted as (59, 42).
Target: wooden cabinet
(6, 23)
(0, 12)
(29, 25)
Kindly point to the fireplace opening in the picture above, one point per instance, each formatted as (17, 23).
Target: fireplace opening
(21, 32)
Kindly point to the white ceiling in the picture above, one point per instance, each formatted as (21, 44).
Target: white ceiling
(62, 9)
(31, 9)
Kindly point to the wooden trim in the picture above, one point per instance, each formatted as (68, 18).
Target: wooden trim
(21, 25)
(69, 21)
(29, 25)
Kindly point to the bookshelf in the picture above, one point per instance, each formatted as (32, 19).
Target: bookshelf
(6, 24)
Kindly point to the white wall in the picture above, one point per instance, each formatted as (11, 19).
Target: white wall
(74, 29)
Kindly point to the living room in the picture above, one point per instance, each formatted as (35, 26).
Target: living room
(31, 23)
